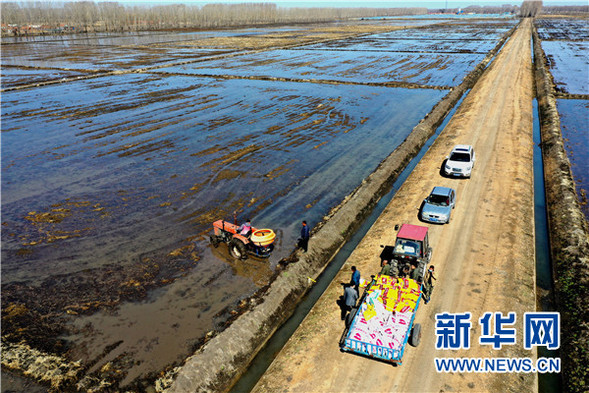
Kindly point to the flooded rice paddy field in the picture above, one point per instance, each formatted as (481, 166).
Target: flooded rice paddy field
(382, 43)
(98, 58)
(345, 66)
(29, 60)
(110, 184)
(566, 42)
(563, 29)
(569, 65)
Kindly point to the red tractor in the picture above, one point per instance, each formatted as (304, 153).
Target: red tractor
(411, 248)
(258, 242)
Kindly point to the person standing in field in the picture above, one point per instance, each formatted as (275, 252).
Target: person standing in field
(305, 234)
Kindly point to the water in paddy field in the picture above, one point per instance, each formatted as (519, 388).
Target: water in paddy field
(574, 125)
(110, 185)
(564, 42)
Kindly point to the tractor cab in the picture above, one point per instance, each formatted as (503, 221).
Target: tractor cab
(412, 242)
(411, 248)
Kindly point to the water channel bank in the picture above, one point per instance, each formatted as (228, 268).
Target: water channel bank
(569, 234)
(219, 363)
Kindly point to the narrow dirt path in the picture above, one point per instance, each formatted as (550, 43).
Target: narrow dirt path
(484, 257)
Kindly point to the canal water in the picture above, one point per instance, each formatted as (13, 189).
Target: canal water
(547, 383)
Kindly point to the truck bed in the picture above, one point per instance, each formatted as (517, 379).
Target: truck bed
(382, 324)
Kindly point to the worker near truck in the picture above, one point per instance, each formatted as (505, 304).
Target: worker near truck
(386, 268)
(350, 299)
(428, 283)
(354, 280)
(414, 275)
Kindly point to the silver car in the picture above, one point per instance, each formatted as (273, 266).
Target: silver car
(437, 207)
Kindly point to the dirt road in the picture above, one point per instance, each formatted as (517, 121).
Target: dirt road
(484, 257)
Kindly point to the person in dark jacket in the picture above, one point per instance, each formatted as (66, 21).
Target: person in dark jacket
(304, 240)
(428, 284)
(355, 280)
(350, 299)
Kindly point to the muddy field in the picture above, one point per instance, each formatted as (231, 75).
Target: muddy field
(110, 184)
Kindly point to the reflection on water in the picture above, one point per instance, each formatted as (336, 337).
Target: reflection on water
(110, 187)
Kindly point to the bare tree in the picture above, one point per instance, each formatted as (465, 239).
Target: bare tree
(89, 16)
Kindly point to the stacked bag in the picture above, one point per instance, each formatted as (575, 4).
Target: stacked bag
(384, 317)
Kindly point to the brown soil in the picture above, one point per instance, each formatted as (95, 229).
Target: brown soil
(484, 258)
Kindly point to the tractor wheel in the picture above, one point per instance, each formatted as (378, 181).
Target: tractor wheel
(237, 249)
(421, 267)
(415, 335)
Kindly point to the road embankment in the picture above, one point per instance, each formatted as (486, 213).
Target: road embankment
(220, 362)
(569, 234)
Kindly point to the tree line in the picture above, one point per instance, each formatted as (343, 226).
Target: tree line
(566, 10)
(90, 16)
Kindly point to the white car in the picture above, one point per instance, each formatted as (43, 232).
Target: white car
(460, 161)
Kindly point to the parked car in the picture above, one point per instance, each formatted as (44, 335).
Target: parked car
(437, 207)
(460, 161)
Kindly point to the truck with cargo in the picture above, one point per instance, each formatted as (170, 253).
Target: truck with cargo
(383, 322)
